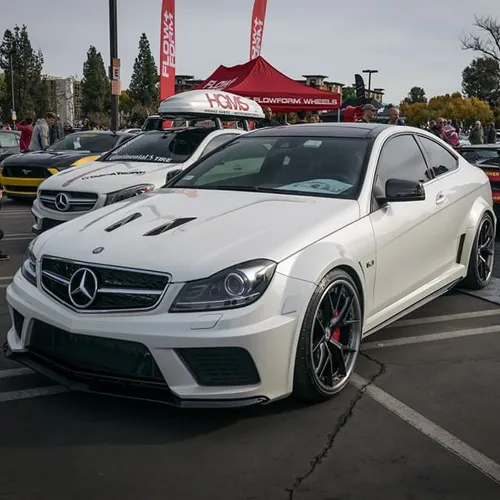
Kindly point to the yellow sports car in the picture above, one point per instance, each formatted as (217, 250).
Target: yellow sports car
(22, 173)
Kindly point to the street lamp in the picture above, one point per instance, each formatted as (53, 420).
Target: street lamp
(13, 110)
(370, 73)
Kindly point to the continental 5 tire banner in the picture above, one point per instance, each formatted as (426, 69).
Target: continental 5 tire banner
(257, 28)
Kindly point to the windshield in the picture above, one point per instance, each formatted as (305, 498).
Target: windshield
(320, 166)
(174, 146)
(95, 143)
(8, 140)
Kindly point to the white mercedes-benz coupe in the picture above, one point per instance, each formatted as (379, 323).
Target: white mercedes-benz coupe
(256, 272)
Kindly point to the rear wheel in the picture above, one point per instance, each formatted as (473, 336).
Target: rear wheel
(482, 255)
(329, 340)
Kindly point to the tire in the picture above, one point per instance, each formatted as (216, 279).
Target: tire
(313, 347)
(483, 251)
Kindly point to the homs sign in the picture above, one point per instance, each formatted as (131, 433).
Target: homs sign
(210, 103)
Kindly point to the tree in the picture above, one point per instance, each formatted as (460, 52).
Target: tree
(144, 81)
(481, 79)
(348, 93)
(487, 42)
(416, 94)
(452, 107)
(96, 90)
(30, 90)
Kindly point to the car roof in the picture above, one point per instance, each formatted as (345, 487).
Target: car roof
(480, 146)
(356, 130)
(98, 132)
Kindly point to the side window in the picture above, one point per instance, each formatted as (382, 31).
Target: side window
(401, 158)
(440, 159)
(216, 142)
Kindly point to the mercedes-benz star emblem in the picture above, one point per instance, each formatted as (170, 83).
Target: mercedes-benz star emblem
(62, 202)
(98, 250)
(82, 288)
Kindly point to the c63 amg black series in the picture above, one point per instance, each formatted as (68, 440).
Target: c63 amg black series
(22, 173)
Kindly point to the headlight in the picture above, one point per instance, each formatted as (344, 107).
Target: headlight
(28, 267)
(123, 194)
(235, 287)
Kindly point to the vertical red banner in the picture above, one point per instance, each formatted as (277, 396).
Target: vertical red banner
(167, 49)
(257, 27)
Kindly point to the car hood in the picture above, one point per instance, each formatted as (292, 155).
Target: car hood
(47, 158)
(105, 177)
(213, 230)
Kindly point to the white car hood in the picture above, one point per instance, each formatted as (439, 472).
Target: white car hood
(105, 177)
(228, 228)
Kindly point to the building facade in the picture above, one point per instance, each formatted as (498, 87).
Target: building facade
(65, 97)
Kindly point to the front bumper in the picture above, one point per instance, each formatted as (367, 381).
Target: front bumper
(20, 188)
(218, 359)
(45, 219)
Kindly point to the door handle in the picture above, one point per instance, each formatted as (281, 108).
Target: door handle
(440, 198)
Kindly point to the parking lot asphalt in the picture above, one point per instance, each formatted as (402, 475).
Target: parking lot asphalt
(419, 421)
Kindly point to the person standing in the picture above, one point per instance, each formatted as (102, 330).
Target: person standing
(26, 128)
(3, 255)
(268, 121)
(56, 131)
(301, 118)
(41, 132)
(369, 111)
(394, 118)
(476, 135)
(490, 135)
(68, 128)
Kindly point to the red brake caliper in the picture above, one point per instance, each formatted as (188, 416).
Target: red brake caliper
(336, 331)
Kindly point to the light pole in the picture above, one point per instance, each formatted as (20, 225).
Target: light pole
(12, 86)
(370, 73)
(114, 67)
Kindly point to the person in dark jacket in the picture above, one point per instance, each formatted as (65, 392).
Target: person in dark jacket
(56, 131)
(301, 118)
(369, 111)
(68, 128)
(490, 134)
(268, 121)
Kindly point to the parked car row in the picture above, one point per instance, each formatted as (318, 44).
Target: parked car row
(257, 269)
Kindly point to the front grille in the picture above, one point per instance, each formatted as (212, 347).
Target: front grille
(25, 172)
(50, 223)
(71, 201)
(220, 366)
(91, 355)
(21, 189)
(107, 289)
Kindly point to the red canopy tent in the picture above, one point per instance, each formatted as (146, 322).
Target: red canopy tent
(260, 81)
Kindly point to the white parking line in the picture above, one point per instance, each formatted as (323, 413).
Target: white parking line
(441, 436)
(431, 337)
(6, 278)
(444, 317)
(18, 238)
(15, 372)
(31, 393)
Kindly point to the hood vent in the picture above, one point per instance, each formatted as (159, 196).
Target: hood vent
(169, 225)
(122, 222)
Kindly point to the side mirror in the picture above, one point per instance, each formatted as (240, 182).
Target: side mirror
(172, 173)
(397, 190)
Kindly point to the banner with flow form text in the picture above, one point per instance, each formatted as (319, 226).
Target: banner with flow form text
(167, 49)
(257, 28)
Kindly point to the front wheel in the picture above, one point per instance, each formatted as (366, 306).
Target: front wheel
(482, 255)
(329, 340)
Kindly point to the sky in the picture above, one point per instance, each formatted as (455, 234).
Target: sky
(411, 43)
